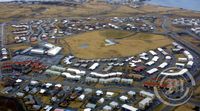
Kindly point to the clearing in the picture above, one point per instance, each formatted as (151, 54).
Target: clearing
(128, 43)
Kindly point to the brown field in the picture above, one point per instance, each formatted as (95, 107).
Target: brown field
(84, 10)
(124, 11)
(192, 41)
(54, 78)
(160, 107)
(179, 56)
(12, 12)
(158, 23)
(75, 104)
(185, 107)
(15, 47)
(197, 92)
(186, 13)
(129, 45)
(154, 9)
(115, 34)
(45, 99)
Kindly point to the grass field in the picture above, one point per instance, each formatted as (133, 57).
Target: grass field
(127, 46)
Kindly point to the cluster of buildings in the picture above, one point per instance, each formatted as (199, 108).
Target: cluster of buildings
(196, 30)
(187, 61)
(49, 49)
(42, 49)
(32, 31)
(46, 53)
(134, 23)
(193, 23)
(124, 71)
(87, 73)
(186, 21)
(41, 30)
(58, 95)
(124, 2)
(144, 65)
(23, 67)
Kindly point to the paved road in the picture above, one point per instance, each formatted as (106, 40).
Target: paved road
(175, 36)
(2, 35)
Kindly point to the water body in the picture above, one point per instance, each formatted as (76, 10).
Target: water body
(185, 4)
(83, 46)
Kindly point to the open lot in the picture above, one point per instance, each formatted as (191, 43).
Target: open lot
(95, 41)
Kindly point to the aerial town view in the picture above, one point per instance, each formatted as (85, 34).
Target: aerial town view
(99, 55)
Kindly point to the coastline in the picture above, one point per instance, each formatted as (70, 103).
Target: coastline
(159, 5)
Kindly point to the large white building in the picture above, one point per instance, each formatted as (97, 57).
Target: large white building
(54, 51)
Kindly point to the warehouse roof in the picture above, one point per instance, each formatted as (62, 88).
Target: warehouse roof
(128, 107)
(54, 51)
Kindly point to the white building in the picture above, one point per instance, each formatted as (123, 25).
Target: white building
(70, 76)
(99, 92)
(155, 58)
(49, 46)
(100, 101)
(129, 108)
(147, 94)
(123, 98)
(94, 66)
(182, 59)
(150, 63)
(163, 65)
(76, 71)
(145, 102)
(109, 94)
(113, 104)
(37, 51)
(54, 51)
(153, 52)
(131, 93)
(181, 65)
(190, 64)
(151, 71)
(107, 108)
(81, 97)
